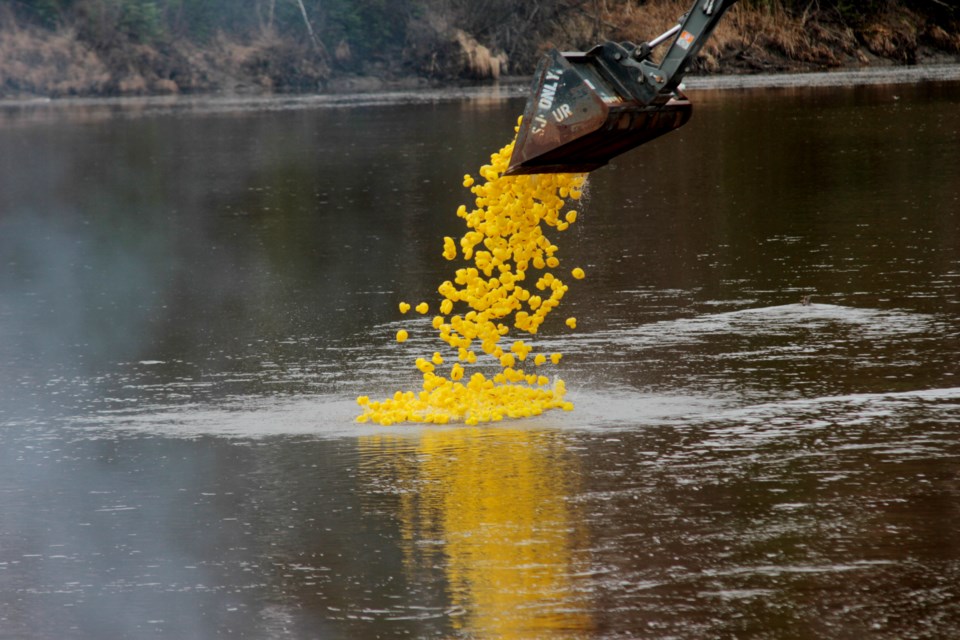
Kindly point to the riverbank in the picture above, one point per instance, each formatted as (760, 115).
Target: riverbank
(64, 60)
(18, 111)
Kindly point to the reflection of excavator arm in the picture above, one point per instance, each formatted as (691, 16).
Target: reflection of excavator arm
(586, 108)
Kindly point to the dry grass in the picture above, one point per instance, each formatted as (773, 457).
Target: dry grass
(752, 39)
(942, 39)
(762, 36)
(40, 62)
(747, 38)
(34, 61)
(759, 39)
(477, 60)
(275, 62)
(441, 49)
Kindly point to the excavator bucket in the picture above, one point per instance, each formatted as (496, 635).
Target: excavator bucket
(580, 115)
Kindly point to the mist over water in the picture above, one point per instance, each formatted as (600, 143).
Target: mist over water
(192, 295)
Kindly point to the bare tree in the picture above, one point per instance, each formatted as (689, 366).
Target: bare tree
(313, 36)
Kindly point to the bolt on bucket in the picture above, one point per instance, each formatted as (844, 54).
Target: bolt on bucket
(580, 115)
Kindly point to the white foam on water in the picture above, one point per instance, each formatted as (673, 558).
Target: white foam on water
(334, 416)
(774, 320)
(599, 403)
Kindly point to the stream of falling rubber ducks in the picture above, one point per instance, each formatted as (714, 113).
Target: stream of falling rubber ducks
(504, 243)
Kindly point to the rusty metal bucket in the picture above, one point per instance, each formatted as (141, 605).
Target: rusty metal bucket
(580, 116)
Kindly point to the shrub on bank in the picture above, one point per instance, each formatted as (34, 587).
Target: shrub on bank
(95, 47)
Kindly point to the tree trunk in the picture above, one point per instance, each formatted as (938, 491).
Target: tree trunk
(313, 36)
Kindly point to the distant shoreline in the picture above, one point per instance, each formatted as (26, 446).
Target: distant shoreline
(860, 76)
(373, 90)
(97, 108)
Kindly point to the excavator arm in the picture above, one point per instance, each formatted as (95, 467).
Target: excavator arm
(586, 108)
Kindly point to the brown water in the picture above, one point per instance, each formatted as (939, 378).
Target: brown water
(193, 293)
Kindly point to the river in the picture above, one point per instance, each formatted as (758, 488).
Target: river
(193, 292)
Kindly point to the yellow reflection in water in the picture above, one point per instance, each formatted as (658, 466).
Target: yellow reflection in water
(490, 505)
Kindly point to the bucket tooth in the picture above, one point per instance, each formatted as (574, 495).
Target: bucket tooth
(580, 116)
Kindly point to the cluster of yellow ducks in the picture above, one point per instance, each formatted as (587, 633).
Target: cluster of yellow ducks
(504, 242)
